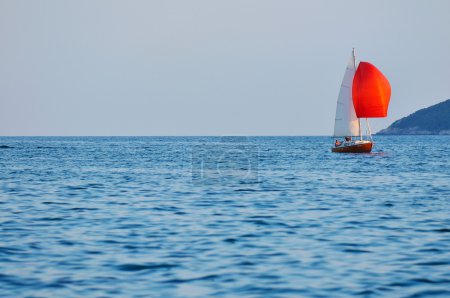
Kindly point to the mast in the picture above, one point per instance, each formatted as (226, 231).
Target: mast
(359, 119)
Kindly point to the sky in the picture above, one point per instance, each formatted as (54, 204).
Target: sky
(206, 67)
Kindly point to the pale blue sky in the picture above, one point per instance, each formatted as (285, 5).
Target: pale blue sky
(210, 67)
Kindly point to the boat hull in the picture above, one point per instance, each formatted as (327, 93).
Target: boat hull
(365, 147)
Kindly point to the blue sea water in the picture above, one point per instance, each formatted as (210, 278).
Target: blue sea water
(223, 217)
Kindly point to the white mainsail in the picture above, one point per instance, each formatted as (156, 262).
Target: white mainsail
(346, 123)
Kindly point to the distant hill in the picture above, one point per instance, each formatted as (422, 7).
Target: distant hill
(434, 120)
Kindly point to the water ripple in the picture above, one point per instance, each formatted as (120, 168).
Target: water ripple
(134, 217)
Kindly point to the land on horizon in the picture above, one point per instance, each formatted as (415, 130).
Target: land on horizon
(434, 120)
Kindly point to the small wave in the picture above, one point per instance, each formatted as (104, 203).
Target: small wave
(431, 293)
(433, 263)
(430, 281)
(140, 267)
(66, 242)
(258, 222)
(444, 230)
(183, 280)
(83, 209)
(17, 281)
(10, 250)
(356, 251)
(52, 218)
(71, 187)
(245, 190)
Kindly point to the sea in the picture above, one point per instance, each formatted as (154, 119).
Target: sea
(228, 216)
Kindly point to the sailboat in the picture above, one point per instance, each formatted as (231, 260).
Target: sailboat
(365, 93)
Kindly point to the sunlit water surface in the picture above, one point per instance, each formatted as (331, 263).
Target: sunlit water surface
(223, 217)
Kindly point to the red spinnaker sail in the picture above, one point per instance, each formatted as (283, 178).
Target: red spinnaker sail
(371, 92)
